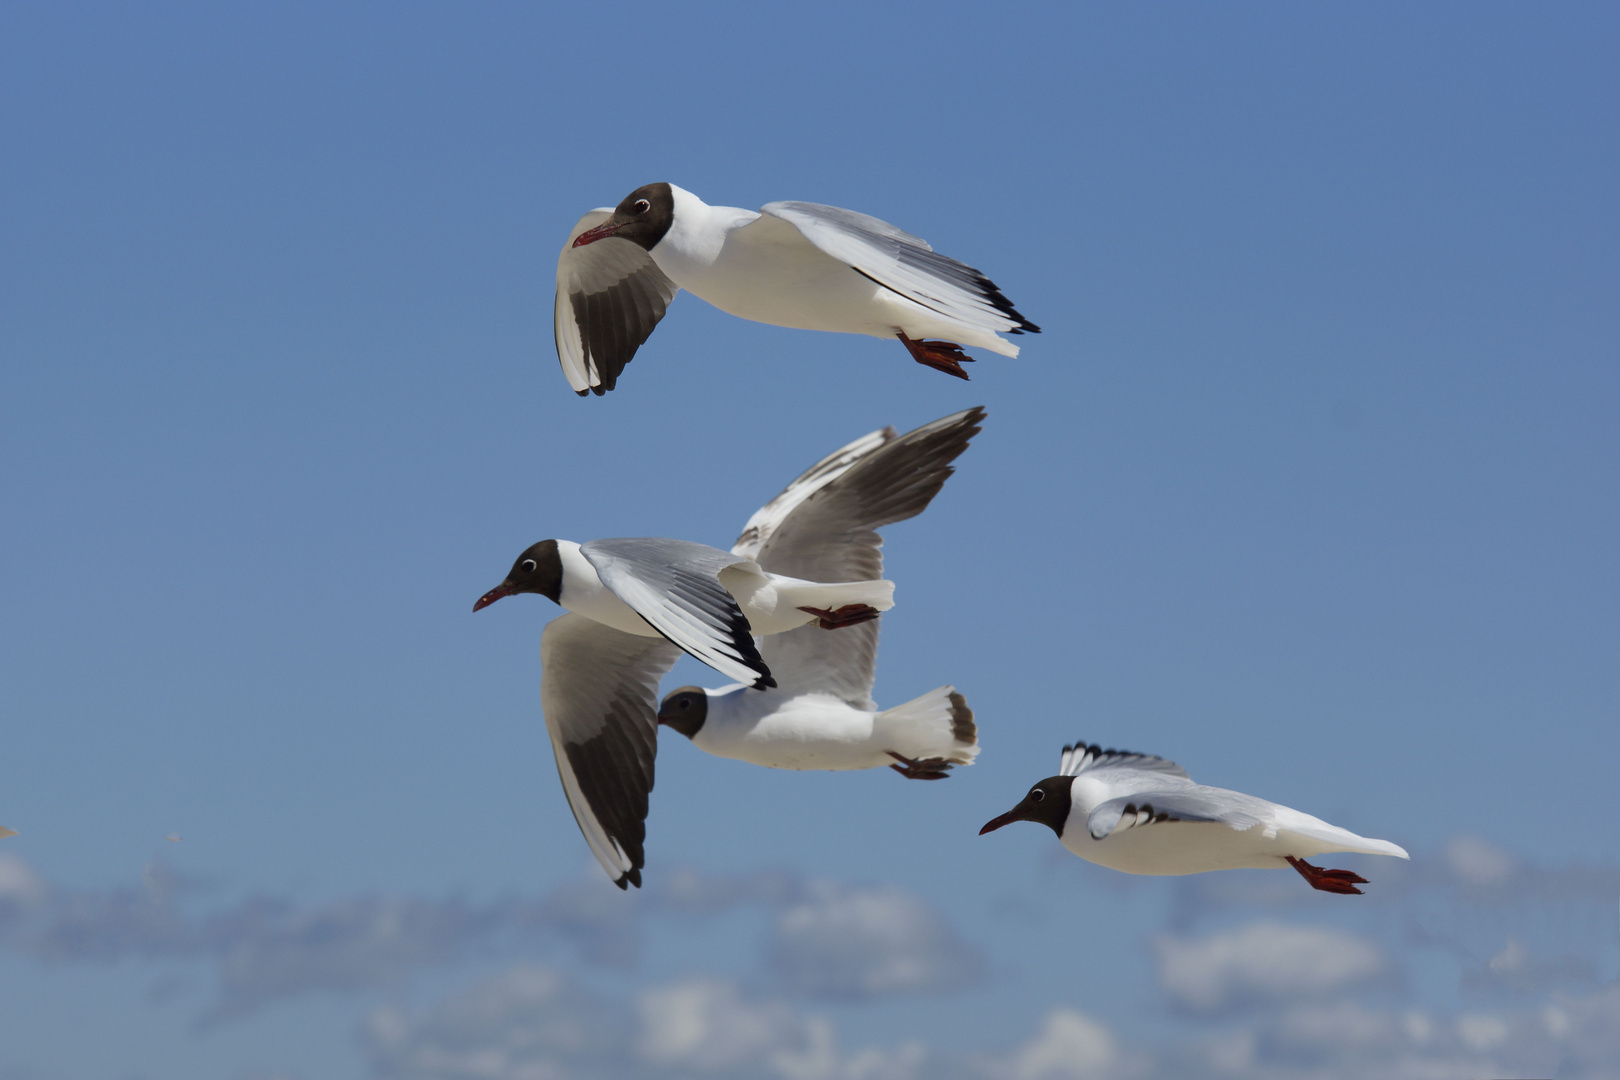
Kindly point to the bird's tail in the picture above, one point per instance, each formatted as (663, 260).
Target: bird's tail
(937, 725)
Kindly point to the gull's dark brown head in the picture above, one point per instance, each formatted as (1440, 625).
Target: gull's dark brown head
(537, 570)
(1047, 803)
(685, 709)
(642, 218)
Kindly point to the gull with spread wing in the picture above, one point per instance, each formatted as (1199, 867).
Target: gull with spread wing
(821, 714)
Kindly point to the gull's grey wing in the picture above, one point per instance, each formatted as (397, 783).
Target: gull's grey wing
(904, 264)
(823, 527)
(810, 660)
(1192, 803)
(675, 586)
(610, 296)
(829, 532)
(772, 514)
(599, 693)
(1083, 756)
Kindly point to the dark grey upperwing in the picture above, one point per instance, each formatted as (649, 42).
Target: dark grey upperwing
(904, 264)
(823, 527)
(610, 296)
(675, 586)
(1192, 803)
(599, 692)
(831, 533)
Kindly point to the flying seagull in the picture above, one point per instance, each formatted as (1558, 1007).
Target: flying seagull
(1144, 815)
(600, 675)
(792, 264)
(821, 714)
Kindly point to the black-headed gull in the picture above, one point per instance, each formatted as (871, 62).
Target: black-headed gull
(707, 601)
(792, 264)
(1144, 815)
(821, 714)
(600, 667)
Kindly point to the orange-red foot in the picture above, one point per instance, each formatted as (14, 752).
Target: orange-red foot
(838, 618)
(928, 768)
(1334, 881)
(946, 356)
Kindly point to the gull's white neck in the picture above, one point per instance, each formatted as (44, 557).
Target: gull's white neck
(697, 235)
(583, 592)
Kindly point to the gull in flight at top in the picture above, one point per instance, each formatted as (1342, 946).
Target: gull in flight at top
(795, 264)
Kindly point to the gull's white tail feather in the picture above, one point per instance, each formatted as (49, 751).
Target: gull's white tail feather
(937, 725)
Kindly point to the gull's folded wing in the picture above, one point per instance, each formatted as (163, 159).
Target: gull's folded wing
(902, 263)
(675, 586)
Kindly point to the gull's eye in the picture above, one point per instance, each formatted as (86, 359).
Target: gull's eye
(642, 206)
(1037, 795)
(528, 565)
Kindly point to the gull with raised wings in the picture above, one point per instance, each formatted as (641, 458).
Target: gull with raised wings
(821, 714)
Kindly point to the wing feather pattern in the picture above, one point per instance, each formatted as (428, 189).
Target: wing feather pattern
(904, 264)
(675, 586)
(1082, 757)
(823, 527)
(610, 296)
(599, 693)
(1194, 803)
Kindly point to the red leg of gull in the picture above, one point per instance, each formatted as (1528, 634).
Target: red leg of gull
(932, 768)
(1334, 881)
(838, 618)
(946, 356)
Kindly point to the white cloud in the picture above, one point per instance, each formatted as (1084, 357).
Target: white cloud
(842, 942)
(1477, 863)
(532, 1023)
(19, 885)
(1515, 969)
(529, 1023)
(1069, 1046)
(1265, 961)
(707, 1026)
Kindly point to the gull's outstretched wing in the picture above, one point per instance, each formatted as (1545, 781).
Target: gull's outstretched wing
(823, 527)
(599, 692)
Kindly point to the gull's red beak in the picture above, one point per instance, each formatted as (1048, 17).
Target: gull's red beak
(591, 236)
(503, 589)
(1015, 814)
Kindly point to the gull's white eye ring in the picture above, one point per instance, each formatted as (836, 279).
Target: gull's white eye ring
(529, 564)
(1037, 795)
(642, 206)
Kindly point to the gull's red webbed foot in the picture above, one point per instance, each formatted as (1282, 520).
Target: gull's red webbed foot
(928, 768)
(838, 618)
(1334, 881)
(946, 356)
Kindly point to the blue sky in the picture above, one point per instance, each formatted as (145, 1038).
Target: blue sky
(1308, 484)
